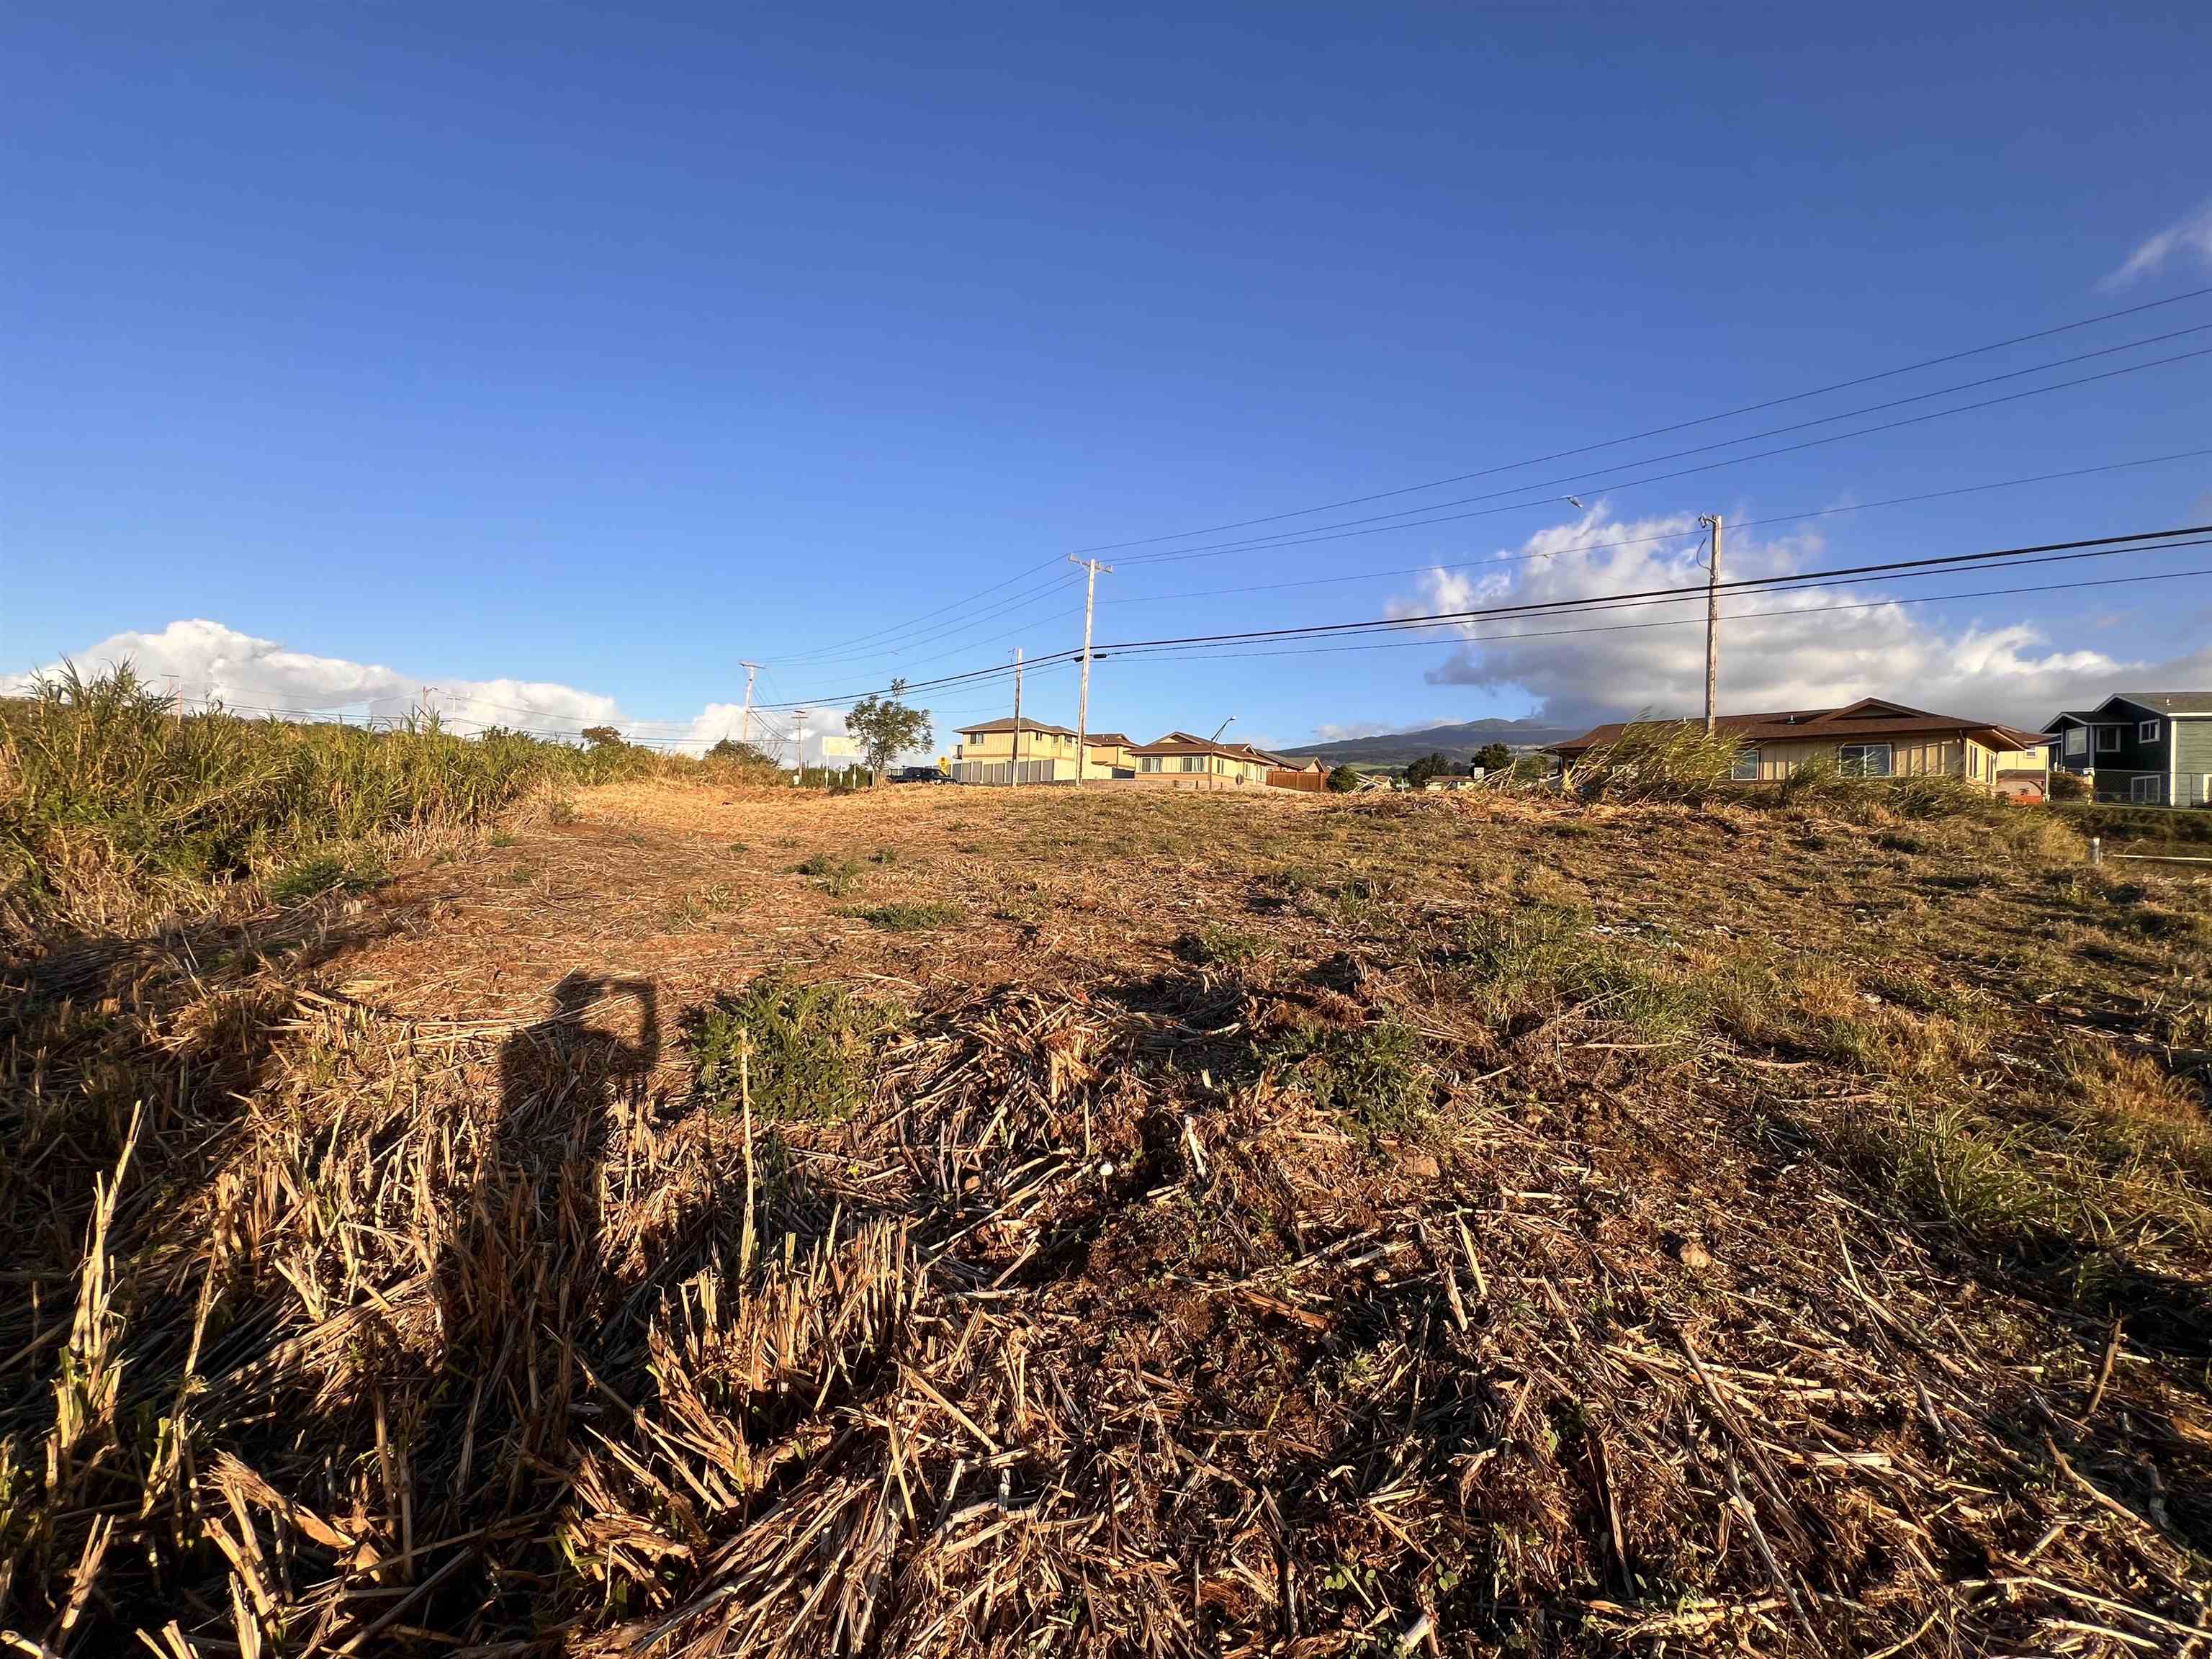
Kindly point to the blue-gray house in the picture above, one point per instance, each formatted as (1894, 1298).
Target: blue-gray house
(2154, 748)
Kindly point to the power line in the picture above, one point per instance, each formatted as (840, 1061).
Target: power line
(1603, 605)
(1659, 431)
(1581, 480)
(894, 631)
(859, 639)
(1664, 535)
(1004, 607)
(1692, 621)
(2112, 543)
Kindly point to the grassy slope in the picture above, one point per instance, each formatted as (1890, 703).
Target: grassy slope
(1576, 1228)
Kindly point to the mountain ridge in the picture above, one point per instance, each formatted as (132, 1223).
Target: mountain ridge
(1455, 741)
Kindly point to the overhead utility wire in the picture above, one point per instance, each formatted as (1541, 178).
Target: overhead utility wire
(1666, 535)
(928, 635)
(859, 639)
(1746, 584)
(1801, 582)
(1694, 621)
(1661, 431)
(893, 630)
(1583, 482)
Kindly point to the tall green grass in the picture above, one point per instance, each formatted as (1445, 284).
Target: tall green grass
(114, 806)
(1656, 760)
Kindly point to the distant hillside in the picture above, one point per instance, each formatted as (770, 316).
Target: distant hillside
(1452, 742)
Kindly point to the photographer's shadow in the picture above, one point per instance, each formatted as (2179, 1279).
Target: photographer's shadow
(521, 1286)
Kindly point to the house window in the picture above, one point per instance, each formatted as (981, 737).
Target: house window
(2077, 741)
(1746, 768)
(2145, 791)
(2108, 740)
(1148, 762)
(2147, 732)
(1863, 760)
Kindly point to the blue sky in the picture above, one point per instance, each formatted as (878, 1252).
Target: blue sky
(581, 356)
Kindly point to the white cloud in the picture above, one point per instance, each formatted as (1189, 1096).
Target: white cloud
(2188, 236)
(202, 662)
(1805, 649)
(1344, 731)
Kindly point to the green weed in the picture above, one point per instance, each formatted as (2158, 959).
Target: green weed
(802, 1050)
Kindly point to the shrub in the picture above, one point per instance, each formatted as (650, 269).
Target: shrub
(910, 917)
(837, 875)
(1343, 780)
(2069, 786)
(1370, 1074)
(801, 1051)
(322, 872)
(1214, 944)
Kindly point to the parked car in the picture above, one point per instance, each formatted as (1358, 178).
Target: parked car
(918, 774)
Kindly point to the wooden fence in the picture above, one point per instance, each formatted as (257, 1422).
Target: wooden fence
(1307, 780)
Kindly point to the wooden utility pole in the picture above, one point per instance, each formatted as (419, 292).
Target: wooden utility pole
(1083, 697)
(746, 728)
(1014, 772)
(798, 745)
(1712, 617)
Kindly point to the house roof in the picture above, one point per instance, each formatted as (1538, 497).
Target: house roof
(1870, 717)
(2166, 702)
(1181, 743)
(1108, 740)
(1007, 725)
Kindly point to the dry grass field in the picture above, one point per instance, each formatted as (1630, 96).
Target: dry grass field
(692, 1221)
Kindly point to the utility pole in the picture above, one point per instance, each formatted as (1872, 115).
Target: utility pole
(1014, 772)
(429, 709)
(798, 744)
(746, 729)
(1712, 617)
(1083, 697)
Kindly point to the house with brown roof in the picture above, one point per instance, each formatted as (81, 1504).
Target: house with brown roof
(1187, 760)
(1872, 738)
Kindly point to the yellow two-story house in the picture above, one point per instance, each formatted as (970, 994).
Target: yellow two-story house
(986, 754)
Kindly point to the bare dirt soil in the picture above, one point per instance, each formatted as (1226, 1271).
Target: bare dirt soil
(940, 1220)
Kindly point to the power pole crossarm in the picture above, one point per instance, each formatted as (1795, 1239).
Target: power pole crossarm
(1712, 618)
(1091, 568)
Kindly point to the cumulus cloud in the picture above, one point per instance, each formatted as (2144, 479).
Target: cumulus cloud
(2188, 238)
(1806, 649)
(204, 662)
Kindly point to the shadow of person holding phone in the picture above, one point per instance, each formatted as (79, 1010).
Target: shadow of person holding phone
(521, 1286)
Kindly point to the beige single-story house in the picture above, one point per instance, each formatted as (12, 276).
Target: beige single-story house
(1869, 738)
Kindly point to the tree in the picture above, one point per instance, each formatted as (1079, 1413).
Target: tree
(1344, 779)
(1493, 757)
(884, 725)
(743, 756)
(603, 737)
(1430, 765)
